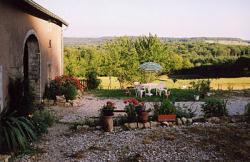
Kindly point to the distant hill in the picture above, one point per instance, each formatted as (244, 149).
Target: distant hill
(100, 40)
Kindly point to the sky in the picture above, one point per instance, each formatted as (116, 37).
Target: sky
(166, 18)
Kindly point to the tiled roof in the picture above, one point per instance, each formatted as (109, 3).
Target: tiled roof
(45, 11)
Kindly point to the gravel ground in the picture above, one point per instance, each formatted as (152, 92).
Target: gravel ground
(157, 144)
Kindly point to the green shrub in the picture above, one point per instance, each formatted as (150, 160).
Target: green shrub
(16, 132)
(63, 85)
(70, 92)
(166, 107)
(214, 108)
(181, 95)
(21, 97)
(51, 90)
(201, 87)
(92, 81)
(43, 119)
(187, 113)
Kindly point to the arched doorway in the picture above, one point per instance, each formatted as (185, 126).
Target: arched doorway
(31, 65)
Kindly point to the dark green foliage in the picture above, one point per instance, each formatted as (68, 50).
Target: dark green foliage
(63, 85)
(166, 107)
(51, 90)
(16, 132)
(201, 87)
(43, 119)
(214, 108)
(92, 81)
(21, 97)
(176, 95)
(181, 95)
(237, 68)
(112, 93)
(69, 91)
(16, 128)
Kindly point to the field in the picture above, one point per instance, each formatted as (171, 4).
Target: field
(221, 83)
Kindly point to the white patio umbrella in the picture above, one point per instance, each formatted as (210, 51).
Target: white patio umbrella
(151, 67)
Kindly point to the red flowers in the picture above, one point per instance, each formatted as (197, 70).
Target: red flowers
(62, 80)
(134, 102)
(110, 104)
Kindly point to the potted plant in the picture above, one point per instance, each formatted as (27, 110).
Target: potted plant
(136, 111)
(142, 113)
(107, 113)
(202, 87)
(165, 112)
(196, 97)
(130, 109)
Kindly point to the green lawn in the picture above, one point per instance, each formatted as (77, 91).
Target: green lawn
(176, 95)
(221, 83)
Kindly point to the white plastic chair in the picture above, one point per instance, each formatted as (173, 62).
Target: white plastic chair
(161, 88)
(148, 93)
(139, 91)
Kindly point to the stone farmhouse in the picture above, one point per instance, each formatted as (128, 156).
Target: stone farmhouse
(31, 45)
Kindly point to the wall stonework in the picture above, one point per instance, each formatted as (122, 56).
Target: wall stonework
(15, 25)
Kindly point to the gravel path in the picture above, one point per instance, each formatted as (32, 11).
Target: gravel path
(159, 144)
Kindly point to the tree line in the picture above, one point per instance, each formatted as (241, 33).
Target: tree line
(122, 56)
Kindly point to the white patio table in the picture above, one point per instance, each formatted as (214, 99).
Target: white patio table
(149, 87)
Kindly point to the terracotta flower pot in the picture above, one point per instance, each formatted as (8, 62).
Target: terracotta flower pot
(108, 123)
(143, 117)
(167, 117)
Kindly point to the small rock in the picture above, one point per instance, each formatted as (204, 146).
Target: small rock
(132, 125)
(70, 101)
(61, 104)
(147, 125)
(237, 118)
(165, 123)
(67, 104)
(98, 127)
(85, 127)
(214, 120)
(171, 124)
(179, 122)
(79, 127)
(189, 121)
(60, 99)
(184, 120)
(143, 125)
(4, 158)
(75, 104)
(154, 124)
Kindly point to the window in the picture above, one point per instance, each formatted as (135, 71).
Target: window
(50, 44)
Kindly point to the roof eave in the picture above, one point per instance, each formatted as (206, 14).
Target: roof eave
(47, 12)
